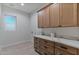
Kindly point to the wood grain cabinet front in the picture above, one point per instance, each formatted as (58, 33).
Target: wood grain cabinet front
(43, 18)
(65, 48)
(40, 19)
(59, 15)
(77, 51)
(60, 52)
(47, 47)
(36, 44)
(68, 14)
(43, 46)
(54, 15)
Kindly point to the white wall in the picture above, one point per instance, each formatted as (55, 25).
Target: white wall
(22, 32)
(64, 30)
(0, 9)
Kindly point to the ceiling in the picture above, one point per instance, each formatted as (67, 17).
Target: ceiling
(27, 7)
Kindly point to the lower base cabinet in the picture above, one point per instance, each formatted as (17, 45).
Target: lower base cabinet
(43, 46)
(36, 44)
(60, 52)
(64, 49)
(47, 47)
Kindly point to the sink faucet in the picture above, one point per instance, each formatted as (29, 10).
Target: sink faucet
(53, 34)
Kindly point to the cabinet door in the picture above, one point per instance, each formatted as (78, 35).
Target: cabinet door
(46, 47)
(68, 14)
(40, 18)
(54, 15)
(46, 17)
(43, 18)
(36, 44)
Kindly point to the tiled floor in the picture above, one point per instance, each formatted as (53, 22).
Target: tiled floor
(19, 49)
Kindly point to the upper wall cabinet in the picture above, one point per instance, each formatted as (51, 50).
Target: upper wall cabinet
(59, 15)
(54, 15)
(40, 18)
(46, 18)
(43, 18)
(68, 15)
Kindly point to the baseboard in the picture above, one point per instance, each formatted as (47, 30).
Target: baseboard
(13, 44)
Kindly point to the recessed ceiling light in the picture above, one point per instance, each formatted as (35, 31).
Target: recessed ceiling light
(22, 4)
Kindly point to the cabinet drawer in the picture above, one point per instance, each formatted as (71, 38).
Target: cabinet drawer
(50, 50)
(60, 52)
(46, 47)
(46, 42)
(66, 48)
(42, 51)
(78, 51)
(47, 51)
(50, 43)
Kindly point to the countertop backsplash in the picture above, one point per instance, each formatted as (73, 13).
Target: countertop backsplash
(66, 32)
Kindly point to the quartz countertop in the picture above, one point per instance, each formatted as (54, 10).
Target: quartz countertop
(43, 37)
(73, 43)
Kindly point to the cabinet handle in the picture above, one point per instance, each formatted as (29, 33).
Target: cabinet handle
(45, 47)
(45, 41)
(63, 47)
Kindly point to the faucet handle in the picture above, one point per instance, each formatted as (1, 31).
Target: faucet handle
(54, 34)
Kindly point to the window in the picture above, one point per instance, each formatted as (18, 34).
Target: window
(10, 23)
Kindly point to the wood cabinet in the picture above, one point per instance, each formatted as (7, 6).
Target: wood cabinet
(40, 18)
(60, 15)
(36, 44)
(54, 15)
(78, 51)
(60, 52)
(64, 49)
(68, 15)
(46, 17)
(44, 47)
(43, 18)
(47, 47)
